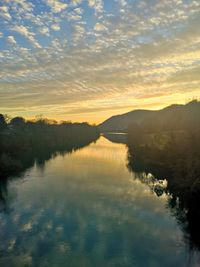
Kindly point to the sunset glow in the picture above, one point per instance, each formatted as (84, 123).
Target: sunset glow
(86, 60)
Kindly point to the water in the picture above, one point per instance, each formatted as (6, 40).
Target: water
(86, 209)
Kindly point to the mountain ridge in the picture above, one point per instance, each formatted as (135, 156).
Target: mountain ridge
(121, 122)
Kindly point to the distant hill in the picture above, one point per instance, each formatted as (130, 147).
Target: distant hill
(173, 115)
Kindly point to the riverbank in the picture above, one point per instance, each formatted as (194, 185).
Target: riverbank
(22, 143)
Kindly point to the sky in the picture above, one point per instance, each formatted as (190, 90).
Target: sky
(86, 60)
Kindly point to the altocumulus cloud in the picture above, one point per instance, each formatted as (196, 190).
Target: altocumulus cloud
(77, 57)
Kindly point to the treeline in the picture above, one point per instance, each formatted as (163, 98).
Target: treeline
(169, 140)
(22, 143)
(168, 147)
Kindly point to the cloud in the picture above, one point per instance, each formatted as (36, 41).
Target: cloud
(44, 30)
(123, 2)
(56, 5)
(4, 12)
(23, 5)
(79, 32)
(26, 33)
(76, 2)
(55, 27)
(187, 76)
(99, 27)
(11, 39)
(74, 17)
(78, 11)
(97, 5)
(98, 54)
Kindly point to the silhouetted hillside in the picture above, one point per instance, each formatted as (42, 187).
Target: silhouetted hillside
(173, 115)
(167, 146)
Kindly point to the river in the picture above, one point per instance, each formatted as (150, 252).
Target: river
(86, 209)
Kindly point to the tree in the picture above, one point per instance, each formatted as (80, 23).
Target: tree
(17, 122)
(2, 122)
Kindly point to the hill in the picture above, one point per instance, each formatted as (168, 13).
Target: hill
(173, 115)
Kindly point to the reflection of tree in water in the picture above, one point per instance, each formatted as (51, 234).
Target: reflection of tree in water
(25, 143)
(178, 162)
(159, 187)
(119, 138)
(38, 156)
(3, 194)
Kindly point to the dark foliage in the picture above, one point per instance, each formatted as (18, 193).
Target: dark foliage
(2, 122)
(169, 148)
(24, 143)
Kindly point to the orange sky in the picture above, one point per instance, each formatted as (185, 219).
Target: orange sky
(89, 60)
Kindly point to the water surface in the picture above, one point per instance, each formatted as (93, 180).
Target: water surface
(86, 209)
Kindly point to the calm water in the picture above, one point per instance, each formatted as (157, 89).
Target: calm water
(86, 209)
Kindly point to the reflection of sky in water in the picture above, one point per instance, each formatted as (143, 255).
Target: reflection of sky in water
(85, 209)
